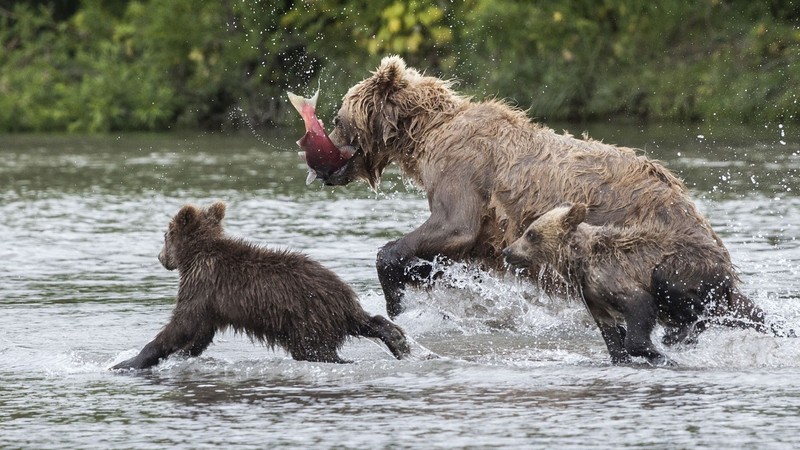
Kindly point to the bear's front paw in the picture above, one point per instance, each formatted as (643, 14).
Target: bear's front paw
(390, 256)
(125, 365)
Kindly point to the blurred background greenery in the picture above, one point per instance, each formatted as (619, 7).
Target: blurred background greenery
(114, 65)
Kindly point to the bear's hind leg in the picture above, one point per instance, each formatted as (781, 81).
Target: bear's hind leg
(150, 355)
(381, 328)
(743, 313)
(201, 341)
(317, 352)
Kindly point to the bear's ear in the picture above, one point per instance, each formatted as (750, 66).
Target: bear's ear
(186, 216)
(390, 78)
(390, 75)
(216, 212)
(575, 216)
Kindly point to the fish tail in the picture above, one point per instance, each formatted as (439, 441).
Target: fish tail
(300, 103)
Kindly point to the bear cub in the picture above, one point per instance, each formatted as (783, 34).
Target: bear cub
(279, 298)
(632, 278)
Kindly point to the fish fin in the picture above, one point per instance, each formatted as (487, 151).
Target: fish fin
(313, 99)
(302, 156)
(298, 102)
(312, 175)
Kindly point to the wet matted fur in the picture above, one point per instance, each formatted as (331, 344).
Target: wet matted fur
(631, 278)
(277, 297)
(488, 171)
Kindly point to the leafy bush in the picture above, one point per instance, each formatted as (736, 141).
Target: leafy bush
(106, 65)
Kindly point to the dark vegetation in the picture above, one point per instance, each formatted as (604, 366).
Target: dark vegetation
(108, 65)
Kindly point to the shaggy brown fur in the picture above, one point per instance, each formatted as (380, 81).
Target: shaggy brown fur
(488, 171)
(632, 277)
(279, 298)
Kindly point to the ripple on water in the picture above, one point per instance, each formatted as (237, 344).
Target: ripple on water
(83, 290)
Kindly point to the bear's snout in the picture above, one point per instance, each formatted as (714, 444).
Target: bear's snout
(511, 257)
(164, 259)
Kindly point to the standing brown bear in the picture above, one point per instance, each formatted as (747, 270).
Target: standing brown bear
(632, 277)
(488, 171)
(275, 297)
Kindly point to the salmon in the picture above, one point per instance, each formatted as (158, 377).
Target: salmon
(320, 154)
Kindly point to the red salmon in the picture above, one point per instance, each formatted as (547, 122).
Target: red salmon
(320, 154)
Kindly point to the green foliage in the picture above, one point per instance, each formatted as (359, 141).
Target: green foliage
(660, 60)
(349, 37)
(146, 65)
(75, 76)
(106, 65)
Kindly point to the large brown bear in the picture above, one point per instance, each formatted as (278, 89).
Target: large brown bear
(632, 277)
(488, 171)
(275, 297)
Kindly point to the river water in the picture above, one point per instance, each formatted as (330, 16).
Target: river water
(82, 220)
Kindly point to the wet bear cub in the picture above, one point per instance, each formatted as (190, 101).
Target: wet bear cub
(631, 278)
(279, 298)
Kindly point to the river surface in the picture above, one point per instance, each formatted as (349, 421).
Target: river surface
(82, 220)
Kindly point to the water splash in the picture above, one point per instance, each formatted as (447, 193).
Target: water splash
(783, 135)
(238, 113)
(471, 300)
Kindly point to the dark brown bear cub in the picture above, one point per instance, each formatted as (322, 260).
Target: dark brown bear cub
(275, 297)
(631, 278)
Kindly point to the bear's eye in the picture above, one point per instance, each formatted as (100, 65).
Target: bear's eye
(532, 236)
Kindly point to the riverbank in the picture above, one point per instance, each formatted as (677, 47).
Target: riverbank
(154, 66)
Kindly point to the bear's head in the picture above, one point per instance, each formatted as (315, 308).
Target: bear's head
(542, 241)
(189, 231)
(385, 116)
